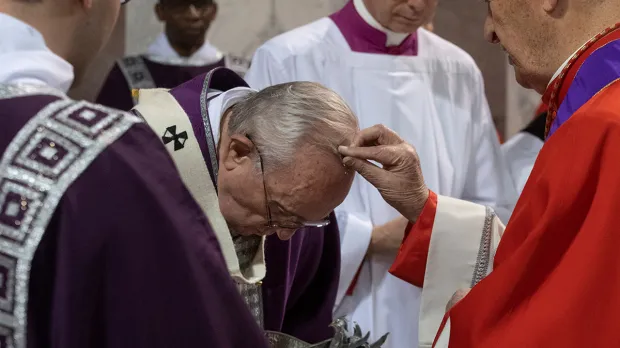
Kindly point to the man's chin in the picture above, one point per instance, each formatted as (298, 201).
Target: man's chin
(251, 231)
(529, 81)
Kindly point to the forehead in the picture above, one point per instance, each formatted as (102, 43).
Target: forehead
(312, 187)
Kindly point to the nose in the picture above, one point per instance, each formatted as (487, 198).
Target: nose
(489, 30)
(416, 5)
(193, 12)
(285, 234)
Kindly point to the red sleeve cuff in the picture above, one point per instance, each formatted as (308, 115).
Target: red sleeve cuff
(410, 263)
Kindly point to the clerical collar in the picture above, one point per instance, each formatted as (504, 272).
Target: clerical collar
(25, 58)
(220, 103)
(364, 34)
(161, 51)
(393, 38)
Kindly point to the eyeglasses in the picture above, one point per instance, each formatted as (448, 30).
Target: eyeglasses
(285, 225)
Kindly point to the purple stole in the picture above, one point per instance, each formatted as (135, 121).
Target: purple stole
(598, 71)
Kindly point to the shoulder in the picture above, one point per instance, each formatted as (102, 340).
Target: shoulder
(54, 147)
(299, 40)
(78, 129)
(599, 114)
(130, 60)
(238, 64)
(134, 68)
(451, 56)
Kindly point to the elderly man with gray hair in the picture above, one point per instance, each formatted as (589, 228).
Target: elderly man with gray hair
(264, 166)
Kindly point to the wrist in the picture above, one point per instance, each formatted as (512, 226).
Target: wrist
(374, 239)
(418, 204)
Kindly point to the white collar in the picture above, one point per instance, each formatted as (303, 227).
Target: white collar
(161, 51)
(559, 71)
(221, 103)
(24, 57)
(393, 38)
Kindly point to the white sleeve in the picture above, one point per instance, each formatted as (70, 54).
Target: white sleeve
(265, 70)
(488, 178)
(521, 152)
(464, 239)
(355, 234)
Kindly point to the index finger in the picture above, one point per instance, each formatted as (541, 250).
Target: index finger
(376, 135)
(385, 155)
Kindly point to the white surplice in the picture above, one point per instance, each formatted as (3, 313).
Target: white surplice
(520, 153)
(161, 51)
(436, 102)
(25, 58)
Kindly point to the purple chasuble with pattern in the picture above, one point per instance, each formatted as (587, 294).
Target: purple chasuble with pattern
(363, 38)
(299, 290)
(116, 90)
(102, 244)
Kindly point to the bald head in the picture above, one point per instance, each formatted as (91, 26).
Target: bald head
(539, 35)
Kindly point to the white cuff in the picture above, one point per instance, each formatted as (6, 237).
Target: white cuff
(463, 243)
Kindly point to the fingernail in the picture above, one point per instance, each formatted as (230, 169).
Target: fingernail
(342, 148)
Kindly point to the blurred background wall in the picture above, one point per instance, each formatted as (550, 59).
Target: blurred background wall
(242, 25)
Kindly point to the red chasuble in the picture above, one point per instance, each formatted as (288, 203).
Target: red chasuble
(555, 279)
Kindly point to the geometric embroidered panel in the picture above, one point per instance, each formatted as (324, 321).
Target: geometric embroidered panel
(136, 73)
(42, 161)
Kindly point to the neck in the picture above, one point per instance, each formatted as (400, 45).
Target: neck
(53, 28)
(367, 11)
(580, 29)
(184, 49)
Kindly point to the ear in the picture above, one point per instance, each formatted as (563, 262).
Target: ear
(212, 11)
(238, 152)
(161, 14)
(550, 5)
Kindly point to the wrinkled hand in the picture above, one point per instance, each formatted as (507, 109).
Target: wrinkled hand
(458, 295)
(400, 181)
(387, 238)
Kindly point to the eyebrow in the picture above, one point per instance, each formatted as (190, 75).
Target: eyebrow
(283, 209)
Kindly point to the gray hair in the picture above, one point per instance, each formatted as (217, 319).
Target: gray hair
(282, 118)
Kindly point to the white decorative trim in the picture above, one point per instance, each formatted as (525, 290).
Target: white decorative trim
(136, 73)
(8, 91)
(484, 252)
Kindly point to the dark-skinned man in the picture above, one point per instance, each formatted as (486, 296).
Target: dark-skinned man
(177, 55)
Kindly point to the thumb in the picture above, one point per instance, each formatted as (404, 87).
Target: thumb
(369, 171)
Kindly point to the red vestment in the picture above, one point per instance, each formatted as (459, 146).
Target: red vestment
(555, 279)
